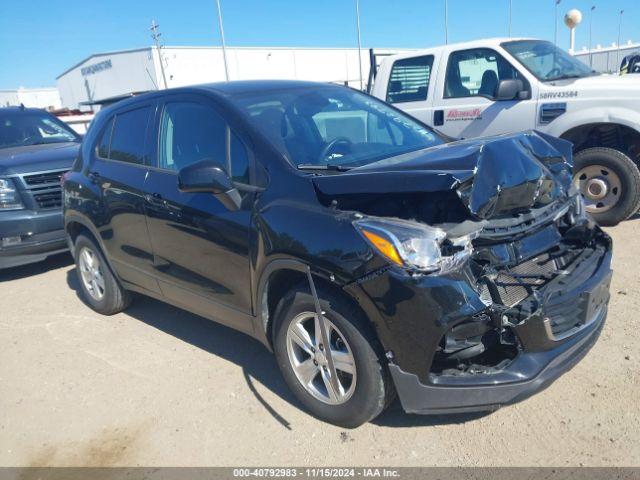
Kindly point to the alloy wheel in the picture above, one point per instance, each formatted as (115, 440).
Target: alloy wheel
(91, 273)
(309, 358)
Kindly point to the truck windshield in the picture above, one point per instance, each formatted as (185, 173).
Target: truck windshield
(332, 128)
(546, 61)
(23, 128)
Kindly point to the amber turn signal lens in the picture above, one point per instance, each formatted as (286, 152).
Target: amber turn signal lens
(384, 246)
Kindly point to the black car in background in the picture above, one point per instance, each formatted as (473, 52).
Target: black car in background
(369, 254)
(35, 150)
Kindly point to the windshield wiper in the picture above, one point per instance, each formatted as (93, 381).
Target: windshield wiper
(328, 166)
(566, 77)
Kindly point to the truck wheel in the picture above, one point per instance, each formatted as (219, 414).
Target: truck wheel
(100, 288)
(609, 182)
(362, 387)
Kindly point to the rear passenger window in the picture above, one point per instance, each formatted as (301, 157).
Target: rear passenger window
(128, 137)
(409, 79)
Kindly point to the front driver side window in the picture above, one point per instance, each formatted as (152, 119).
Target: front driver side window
(476, 72)
(190, 132)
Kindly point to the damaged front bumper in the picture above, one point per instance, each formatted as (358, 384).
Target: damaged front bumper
(464, 342)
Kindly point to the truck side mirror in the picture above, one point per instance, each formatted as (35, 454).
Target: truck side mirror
(207, 176)
(510, 89)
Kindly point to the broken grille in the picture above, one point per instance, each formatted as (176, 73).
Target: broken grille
(512, 286)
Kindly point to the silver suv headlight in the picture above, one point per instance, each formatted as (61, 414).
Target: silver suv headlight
(9, 196)
(415, 245)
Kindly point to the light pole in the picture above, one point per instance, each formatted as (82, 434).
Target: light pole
(155, 34)
(359, 42)
(555, 31)
(446, 22)
(593, 7)
(224, 47)
(619, 33)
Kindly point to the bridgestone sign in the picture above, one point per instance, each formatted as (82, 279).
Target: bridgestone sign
(95, 68)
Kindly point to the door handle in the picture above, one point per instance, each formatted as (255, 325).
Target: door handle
(94, 177)
(155, 199)
(438, 118)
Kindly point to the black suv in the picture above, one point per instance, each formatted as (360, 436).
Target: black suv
(370, 254)
(35, 150)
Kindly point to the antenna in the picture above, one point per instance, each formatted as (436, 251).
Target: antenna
(155, 34)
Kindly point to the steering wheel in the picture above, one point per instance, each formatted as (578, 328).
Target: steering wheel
(331, 145)
(554, 72)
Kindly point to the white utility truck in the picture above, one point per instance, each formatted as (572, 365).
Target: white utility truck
(497, 86)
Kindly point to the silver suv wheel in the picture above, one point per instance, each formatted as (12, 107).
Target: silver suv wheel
(309, 359)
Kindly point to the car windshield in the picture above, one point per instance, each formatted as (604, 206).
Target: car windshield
(333, 128)
(546, 61)
(32, 128)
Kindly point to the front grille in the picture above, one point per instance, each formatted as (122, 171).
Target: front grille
(51, 199)
(43, 179)
(45, 189)
(514, 284)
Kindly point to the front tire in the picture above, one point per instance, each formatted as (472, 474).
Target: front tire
(609, 182)
(363, 385)
(100, 288)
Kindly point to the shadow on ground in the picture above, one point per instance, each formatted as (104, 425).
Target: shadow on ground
(257, 363)
(52, 263)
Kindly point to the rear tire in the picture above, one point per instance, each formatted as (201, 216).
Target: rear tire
(372, 387)
(100, 288)
(609, 181)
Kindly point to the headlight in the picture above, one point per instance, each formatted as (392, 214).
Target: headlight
(415, 245)
(9, 196)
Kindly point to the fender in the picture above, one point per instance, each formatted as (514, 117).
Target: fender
(620, 115)
(77, 217)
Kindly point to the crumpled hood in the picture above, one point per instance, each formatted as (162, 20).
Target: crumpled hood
(35, 158)
(491, 176)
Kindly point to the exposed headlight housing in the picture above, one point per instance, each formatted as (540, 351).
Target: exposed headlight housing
(9, 196)
(415, 245)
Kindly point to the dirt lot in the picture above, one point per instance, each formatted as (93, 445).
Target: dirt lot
(159, 386)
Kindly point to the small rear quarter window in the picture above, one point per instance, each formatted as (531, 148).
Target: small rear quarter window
(409, 79)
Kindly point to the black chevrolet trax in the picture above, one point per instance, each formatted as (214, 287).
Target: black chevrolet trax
(372, 256)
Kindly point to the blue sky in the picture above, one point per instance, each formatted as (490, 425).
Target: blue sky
(39, 39)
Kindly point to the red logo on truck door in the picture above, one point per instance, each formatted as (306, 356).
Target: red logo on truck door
(468, 114)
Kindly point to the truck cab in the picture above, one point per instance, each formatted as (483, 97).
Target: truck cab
(498, 86)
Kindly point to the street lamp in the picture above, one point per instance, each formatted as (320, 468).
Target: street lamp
(446, 22)
(593, 7)
(619, 33)
(359, 43)
(224, 47)
(555, 31)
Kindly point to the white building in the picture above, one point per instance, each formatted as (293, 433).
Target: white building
(113, 74)
(606, 59)
(31, 97)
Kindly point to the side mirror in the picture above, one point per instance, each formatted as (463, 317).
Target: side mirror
(510, 89)
(207, 176)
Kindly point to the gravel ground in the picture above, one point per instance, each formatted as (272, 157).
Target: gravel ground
(159, 386)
